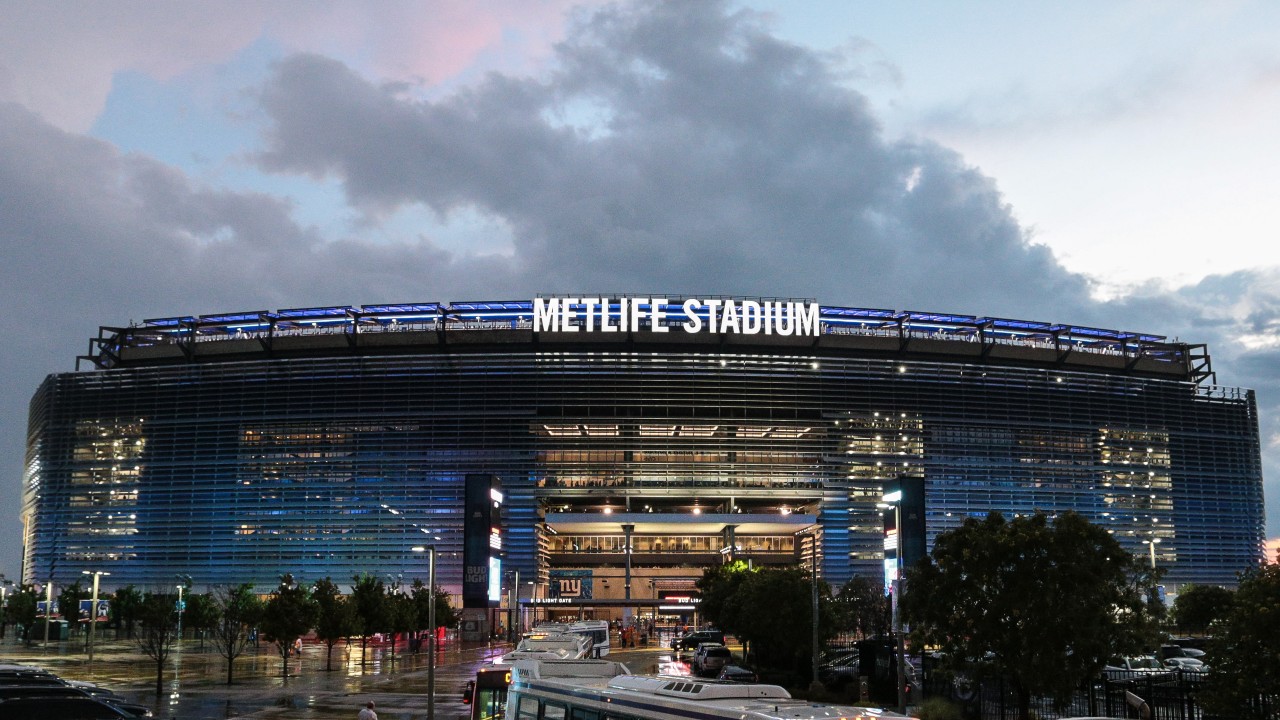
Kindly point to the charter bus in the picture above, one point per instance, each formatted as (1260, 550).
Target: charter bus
(605, 690)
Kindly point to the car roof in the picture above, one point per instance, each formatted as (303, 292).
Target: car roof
(51, 703)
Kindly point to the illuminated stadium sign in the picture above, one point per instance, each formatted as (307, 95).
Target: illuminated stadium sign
(745, 317)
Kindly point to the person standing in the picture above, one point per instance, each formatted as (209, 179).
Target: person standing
(367, 713)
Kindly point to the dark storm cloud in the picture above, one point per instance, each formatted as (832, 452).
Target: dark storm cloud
(91, 237)
(678, 147)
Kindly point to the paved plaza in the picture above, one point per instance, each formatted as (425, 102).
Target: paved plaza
(195, 680)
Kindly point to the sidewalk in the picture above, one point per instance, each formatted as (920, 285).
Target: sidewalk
(194, 686)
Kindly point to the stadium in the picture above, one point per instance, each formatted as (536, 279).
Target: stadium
(628, 443)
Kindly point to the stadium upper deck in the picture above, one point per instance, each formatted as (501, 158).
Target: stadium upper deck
(417, 326)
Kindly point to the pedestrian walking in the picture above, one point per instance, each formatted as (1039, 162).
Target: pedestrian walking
(367, 713)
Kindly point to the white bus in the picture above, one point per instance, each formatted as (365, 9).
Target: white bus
(551, 646)
(598, 631)
(604, 690)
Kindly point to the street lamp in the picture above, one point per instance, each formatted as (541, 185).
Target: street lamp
(431, 627)
(48, 609)
(185, 582)
(1151, 545)
(4, 598)
(513, 611)
(812, 532)
(93, 609)
(894, 499)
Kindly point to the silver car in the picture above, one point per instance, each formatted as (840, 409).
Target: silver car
(709, 658)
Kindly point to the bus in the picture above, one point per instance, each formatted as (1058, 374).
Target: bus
(598, 631)
(486, 696)
(605, 690)
(551, 646)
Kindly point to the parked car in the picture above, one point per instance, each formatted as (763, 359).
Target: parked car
(839, 670)
(10, 692)
(737, 673)
(1191, 647)
(709, 658)
(1128, 668)
(1186, 664)
(691, 640)
(57, 708)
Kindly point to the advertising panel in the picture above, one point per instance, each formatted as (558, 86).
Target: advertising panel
(571, 584)
(104, 610)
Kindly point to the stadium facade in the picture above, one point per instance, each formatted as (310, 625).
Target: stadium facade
(636, 440)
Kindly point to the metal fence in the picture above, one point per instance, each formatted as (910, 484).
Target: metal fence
(1167, 696)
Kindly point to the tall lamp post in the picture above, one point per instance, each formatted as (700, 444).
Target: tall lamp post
(185, 582)
(4, 599)
(1151, 545)
(48, 609)
(431, 628)
(812, 532)
(93, 608)
(894, 500)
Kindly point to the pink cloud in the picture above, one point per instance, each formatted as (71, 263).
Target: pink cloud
(59, 58)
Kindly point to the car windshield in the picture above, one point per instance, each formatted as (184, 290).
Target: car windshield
(1145, 664)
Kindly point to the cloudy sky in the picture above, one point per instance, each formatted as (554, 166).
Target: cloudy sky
(1101, 163)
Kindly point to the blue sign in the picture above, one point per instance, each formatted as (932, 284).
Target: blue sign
(574, 584)
(42, 607)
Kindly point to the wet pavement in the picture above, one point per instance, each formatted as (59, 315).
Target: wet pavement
(194, 682)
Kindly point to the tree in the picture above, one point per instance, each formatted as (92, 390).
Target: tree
(1199, 606)
(1044, 605)
(446, 616)
(126, 603)
(202, 614)
(748, 603)
(370, 599)
(718, 587)
(402, 616)
(238, 610)
(69, 603)
(1245, 682)
(772, 593)
(861, 608)
(335, 617)
(288, 615)
(158, 631)
(21, 609)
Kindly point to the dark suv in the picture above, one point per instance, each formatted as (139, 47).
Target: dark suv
(691, 640)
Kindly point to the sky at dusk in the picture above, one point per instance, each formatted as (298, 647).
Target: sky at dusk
(1110, 164)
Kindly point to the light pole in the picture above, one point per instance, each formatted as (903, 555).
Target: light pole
(48, 609)
(894, 500)
(1151, 545)
(93, 609)
(514, 619)
(181, 607)
(185, 581)
(4, 599)
(431, 627)
(812, 532)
